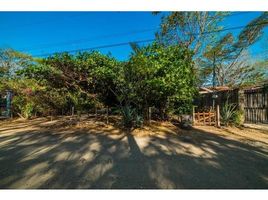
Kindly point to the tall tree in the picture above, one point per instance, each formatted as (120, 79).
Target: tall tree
(190, 29)
(157, 76)
(84, 77)
(11, 61)
(230, 58)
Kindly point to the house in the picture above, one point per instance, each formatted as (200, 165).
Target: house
(252, 100)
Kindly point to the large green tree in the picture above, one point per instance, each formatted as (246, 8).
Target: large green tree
(157, 76)
(83, 78)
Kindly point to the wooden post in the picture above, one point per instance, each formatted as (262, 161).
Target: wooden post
(218, 123)
(149, 114)
(107, 115)
(241, 103)
(209, 118)
(72, 110)
(193, 116)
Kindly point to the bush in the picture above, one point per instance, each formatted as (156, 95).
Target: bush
(183, 107)
(127, 116)
(138, 122)
(130, 117)
(228, 113)
(238, 117)
(20, 105)
(28, 110)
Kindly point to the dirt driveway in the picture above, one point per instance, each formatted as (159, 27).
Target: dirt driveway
(63, 154)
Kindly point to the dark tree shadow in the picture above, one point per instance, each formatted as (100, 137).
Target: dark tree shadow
(130, 172)
(86, 158)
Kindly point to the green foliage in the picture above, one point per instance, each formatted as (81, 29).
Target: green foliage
(238, 118)
(230, 115)
(127, 116)
(83, 79)
(189, 29)
(158, 76)
(183, 107)
(130, 117)
(228, 112)
(229, 55)
(30, 97)
(28, 110)
(154, 76)
(23, 106)
(138, 121)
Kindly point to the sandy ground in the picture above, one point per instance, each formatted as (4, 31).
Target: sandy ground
(90, 154)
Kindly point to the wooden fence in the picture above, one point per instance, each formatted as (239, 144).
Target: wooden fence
(204, 118)
(254, 102)
(207, 118)
(256, 105)
(204, 102)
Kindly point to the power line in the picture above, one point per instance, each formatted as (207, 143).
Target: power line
(142, 41)
(234, 28)
(106, 36)
(90, 39)
(98, 47)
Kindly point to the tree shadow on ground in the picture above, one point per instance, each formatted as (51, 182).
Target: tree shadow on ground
(86, 158)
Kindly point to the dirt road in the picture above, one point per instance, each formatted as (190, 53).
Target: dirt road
(63, 154)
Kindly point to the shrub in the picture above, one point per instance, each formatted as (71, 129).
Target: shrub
(183, 107)
(28, 110)
(127, 116)
(130, 117)
(138, 122)
(228, 113)
(238, 117)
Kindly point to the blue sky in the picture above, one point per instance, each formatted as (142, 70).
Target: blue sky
(47, 32)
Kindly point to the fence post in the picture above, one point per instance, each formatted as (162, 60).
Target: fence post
(209, 118)
(72, 110)
(218, 123)
(149, 114)
(204, 118)
(193, 116)
(107, 115)
(241, 102)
